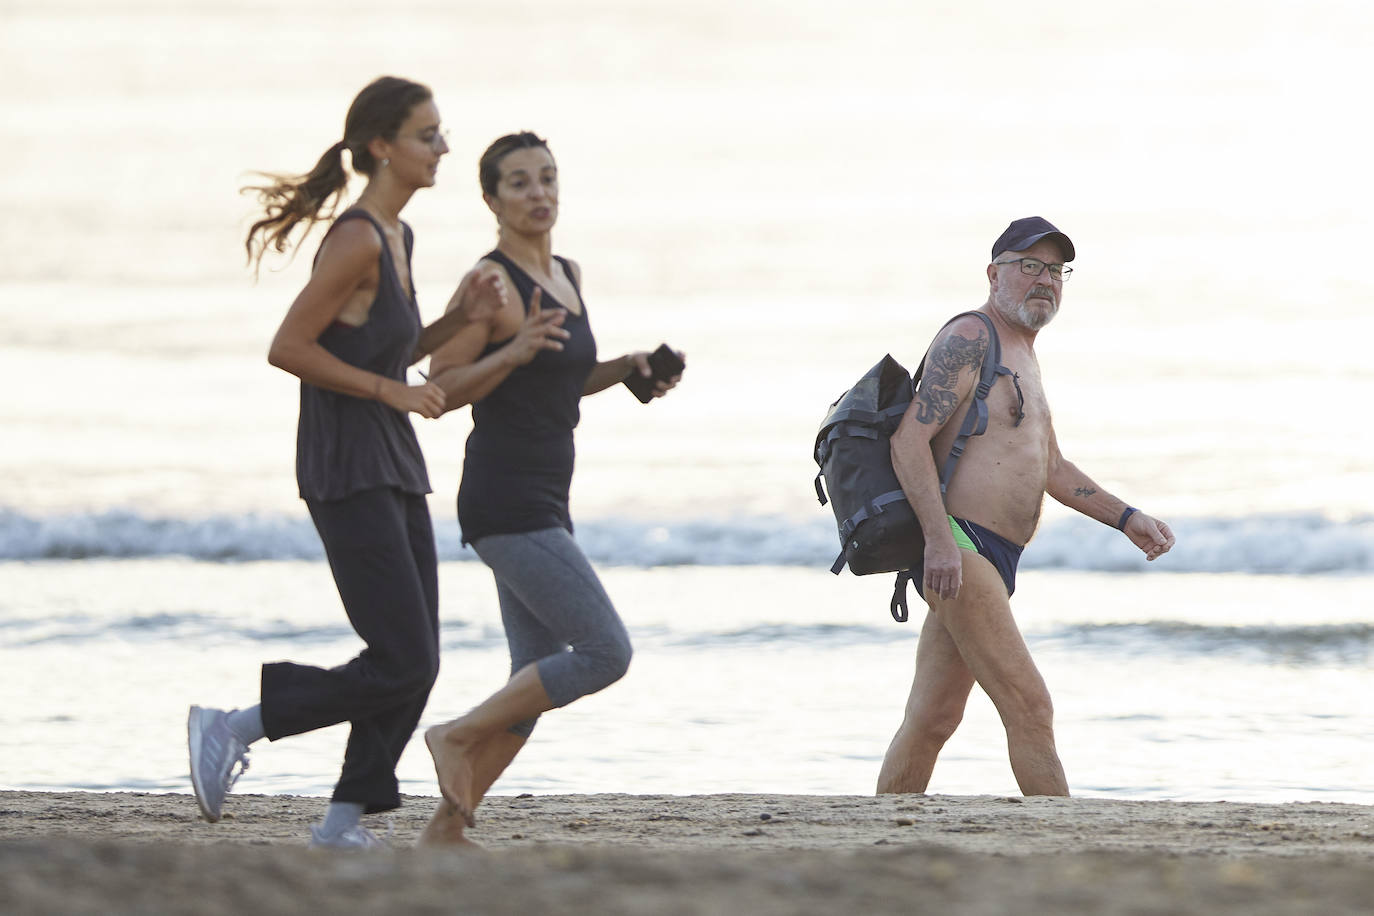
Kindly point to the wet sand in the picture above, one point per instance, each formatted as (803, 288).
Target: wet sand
(756, 854)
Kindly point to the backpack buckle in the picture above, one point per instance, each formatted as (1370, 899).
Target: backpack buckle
(898, 604)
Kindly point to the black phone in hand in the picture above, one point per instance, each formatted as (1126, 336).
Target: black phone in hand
(663, 363)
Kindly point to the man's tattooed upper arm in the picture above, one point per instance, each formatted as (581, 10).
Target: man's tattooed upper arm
(938, 398)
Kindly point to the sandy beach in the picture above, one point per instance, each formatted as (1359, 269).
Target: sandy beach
(758, 854)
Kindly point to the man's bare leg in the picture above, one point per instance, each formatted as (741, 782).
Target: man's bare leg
(939, 693)
(456, 745)
(981, 625)
(493, 755)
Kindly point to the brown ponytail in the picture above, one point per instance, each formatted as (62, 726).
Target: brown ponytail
(287, 201)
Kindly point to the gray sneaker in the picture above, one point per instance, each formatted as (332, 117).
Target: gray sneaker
(355, 837)
(215, 751)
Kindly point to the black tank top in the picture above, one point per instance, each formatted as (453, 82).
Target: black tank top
(519, 459)
(345, 444)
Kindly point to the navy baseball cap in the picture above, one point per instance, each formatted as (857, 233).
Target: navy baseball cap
(1025, 232)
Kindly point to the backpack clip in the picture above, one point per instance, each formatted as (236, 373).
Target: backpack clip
(898, 605)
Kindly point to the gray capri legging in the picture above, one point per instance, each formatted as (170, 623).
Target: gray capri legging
(552, 602)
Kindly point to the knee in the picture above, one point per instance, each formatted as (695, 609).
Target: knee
(936, 724)
(416, 677)
(615, 659)
(608, 660)
(430, 672)
(623, 654)
(1041, 712)
(416, 684)
(1034, 714)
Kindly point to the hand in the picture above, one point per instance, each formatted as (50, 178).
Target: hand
(640, 362)
(944, 572)
(482, 293)
(1149, 534)
(541, 330)
(428, 400)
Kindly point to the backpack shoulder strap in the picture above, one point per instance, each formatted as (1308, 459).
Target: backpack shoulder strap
(976, 420)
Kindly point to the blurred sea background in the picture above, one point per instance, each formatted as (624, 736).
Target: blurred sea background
(785, 191)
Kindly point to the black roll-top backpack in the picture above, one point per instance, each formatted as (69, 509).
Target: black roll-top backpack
(878, 529)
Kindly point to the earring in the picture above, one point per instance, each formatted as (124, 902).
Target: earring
(386, 162)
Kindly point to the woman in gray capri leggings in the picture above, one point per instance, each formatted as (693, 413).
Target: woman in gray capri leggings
(524, 368)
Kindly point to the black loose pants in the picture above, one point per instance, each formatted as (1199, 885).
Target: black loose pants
(380, 545)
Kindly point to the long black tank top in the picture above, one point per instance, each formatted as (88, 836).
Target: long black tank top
(519, 460)
(345, 444)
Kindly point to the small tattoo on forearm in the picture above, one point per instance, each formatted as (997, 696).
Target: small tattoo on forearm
(1084, 491)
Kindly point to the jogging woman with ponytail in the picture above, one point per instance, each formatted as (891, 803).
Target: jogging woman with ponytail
(349, 336)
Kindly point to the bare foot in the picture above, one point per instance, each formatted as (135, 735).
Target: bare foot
(453, 766)
(445, 829)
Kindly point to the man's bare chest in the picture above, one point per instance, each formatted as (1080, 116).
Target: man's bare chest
(1017, 402)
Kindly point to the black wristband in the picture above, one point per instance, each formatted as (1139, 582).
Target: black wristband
(1121, 522)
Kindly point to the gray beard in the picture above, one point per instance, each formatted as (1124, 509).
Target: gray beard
(1033, 320)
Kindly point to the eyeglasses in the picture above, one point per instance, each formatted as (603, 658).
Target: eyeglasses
(1033, 267)
(434, 140)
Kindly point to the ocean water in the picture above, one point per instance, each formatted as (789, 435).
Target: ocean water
(785, 192)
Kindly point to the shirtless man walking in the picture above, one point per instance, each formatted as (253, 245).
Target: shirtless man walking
(974, 535)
